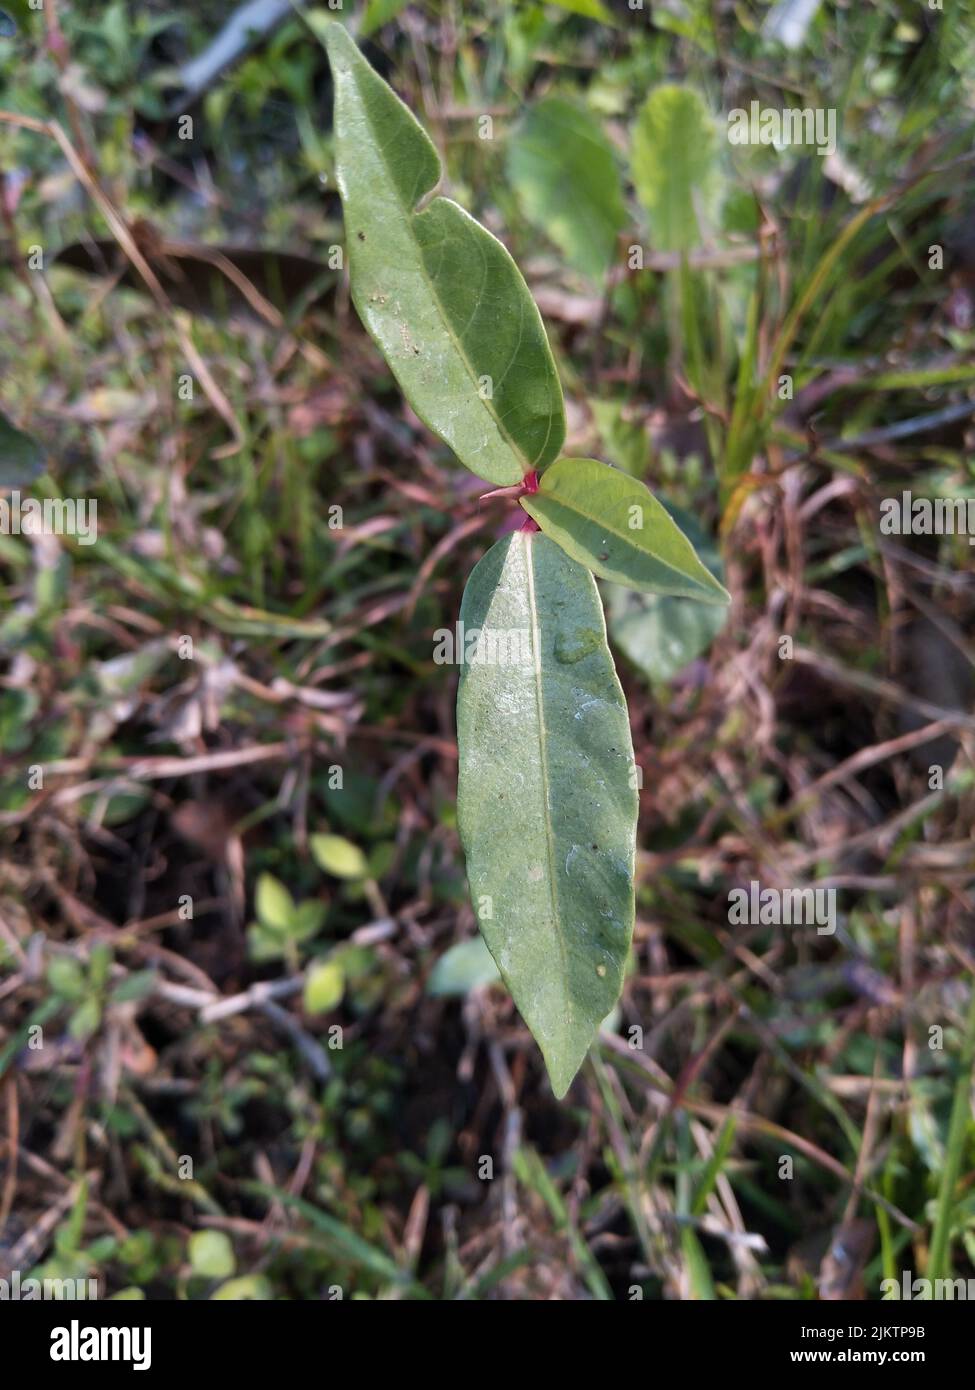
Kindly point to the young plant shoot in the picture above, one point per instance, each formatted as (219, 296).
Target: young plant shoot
(547, 794)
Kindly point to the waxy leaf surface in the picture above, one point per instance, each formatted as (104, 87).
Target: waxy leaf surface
(546, 798)
(442, 298)
(613, 524)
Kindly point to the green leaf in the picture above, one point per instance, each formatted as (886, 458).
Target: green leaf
(672, 162)
(696, 1263)
(382, 857)
(307, 919)
(21, 457)
(546, 804)
(139, 985)
(661, 634)
(85, 1019)
(532, 1173)
(211, 1255)
(563, 170)
(613, 524)
(99, 965)
(339, 857)
(625, 441)
(462, 968)
(377, 13)
(17, 14)
(275, 905)
(442, 298)
(589, 9)
(66, 977)
(324, 986)
(343, 1243)
(264, 944)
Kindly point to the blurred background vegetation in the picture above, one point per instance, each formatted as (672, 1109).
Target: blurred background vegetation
(276, 1061)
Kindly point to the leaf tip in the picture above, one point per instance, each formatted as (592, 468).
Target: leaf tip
(562, 1071)
(716, 592)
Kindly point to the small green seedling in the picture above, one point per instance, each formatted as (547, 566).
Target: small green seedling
(548, 790)
(283, 926)
(85, 989)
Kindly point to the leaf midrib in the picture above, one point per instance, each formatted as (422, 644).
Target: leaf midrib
(620, 536)
(543, 759)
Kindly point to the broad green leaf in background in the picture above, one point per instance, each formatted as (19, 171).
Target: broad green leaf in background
(613, 524)
(442, 298)
(21, 457)
(672, 162)
(463, 968)
(546, 801)
(625, 441)
(661, 634)
(563, 170)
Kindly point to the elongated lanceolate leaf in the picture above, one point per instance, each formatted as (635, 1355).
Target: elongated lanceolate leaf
(563, 169)
(613, 524)
(442, 298)
(546, 799)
